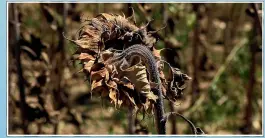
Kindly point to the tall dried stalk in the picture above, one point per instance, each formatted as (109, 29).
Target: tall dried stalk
(251, 84)
(195, 49)
(22, 95)
(58, 63)
(171, 105)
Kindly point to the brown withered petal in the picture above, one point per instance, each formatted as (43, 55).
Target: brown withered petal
(113, 95)
(86, 44)
(138, 76)
(85, 57)
(97, 66)
(97, 86)
(132, 101)
(106, 55)
(105, 16)
(97, 75)
(111, 84)
(129, 86)
(90, 32)
(88, 66)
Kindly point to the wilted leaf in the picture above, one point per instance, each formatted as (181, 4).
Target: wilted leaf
(88, 65)
(90, 32)
(112, 85)
(87, 44)
(97, 86)
(106, 55)
(105, 16)
(138, 76)
(101, 74)
(126, 83)
(85, 57)
(131, 100)
(113, 95)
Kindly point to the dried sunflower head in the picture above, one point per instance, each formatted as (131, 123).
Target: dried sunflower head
(122, 83)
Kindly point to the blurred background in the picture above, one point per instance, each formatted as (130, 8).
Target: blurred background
(218, 44)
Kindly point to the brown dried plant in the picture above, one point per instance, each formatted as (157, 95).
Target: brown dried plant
(108, 34)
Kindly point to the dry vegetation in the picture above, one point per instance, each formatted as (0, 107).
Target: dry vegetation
(217, 45)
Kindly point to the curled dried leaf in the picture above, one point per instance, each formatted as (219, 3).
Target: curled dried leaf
(107, 54)
(114, 96)
(101, 74)
(138, 76)
(85, 57)
(88, 65)
(98, 86)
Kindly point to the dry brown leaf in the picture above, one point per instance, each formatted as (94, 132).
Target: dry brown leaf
(138, 76)
(106, 55)
(105, 16)
(112, 84)
(97, 66)
(113, 94)
(85, 57)
(88, 44)
(132, 101)
(88, 65)
(97, 86)
(146, 105)
(90, 31)
(97, 75)
(129, 86)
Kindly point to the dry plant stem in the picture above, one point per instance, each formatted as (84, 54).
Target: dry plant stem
(257, 19)
(22, 95)
(248, 110)
(194, 85)
(193, 128)
(252, 49)
(131, 121)
(60, 64)
(171, 105)
(173, 119)
(62, 46)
